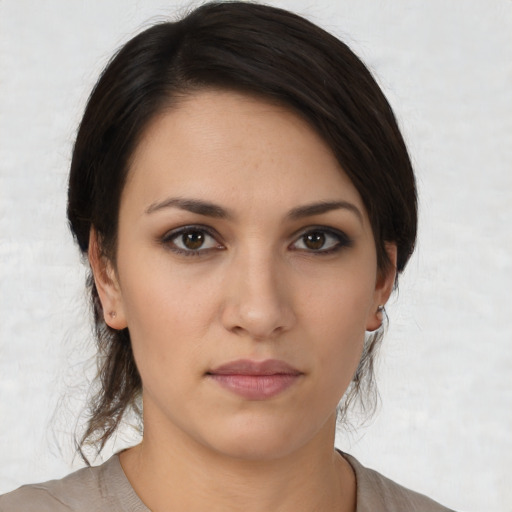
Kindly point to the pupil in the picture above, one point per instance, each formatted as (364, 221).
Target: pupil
(314, 240)
(193, 240)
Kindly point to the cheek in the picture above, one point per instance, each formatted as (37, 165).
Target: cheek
(157, 292)
(172, 314)
(167, 341)
(335, 320)
(339, 304)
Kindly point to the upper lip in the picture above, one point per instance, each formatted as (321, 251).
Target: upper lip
(250, 367)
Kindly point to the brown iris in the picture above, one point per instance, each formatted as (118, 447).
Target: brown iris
(193, 240)
(314, 240)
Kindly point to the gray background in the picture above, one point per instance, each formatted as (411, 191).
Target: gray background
(445, 424)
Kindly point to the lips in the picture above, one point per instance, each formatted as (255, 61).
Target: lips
(255, 380)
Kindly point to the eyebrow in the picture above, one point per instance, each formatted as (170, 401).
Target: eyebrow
(192, 205)
(309, 210)
(213, 210)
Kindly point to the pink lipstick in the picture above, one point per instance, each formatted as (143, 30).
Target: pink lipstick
(255, 380)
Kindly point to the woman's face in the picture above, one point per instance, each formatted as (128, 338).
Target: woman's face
(246, 274)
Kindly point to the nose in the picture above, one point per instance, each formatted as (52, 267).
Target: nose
(257, 298)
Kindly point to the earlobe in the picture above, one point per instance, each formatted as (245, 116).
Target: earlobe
(106, 284)
(375, 319)
(383, 288)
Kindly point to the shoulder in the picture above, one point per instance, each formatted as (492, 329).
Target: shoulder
(376, 492)
(55, 495)
(91, 489)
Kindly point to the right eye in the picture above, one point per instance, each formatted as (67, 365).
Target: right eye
(191, 241)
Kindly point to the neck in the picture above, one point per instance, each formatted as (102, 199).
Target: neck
(182, 475)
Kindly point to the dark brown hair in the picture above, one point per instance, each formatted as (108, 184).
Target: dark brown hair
(259, 50)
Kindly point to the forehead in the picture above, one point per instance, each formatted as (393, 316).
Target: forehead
(231, 146)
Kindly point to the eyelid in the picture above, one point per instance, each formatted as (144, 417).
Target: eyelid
(344, 239)
(172, 234)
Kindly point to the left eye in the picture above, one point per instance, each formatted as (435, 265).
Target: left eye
(321, 241)
(191, 240)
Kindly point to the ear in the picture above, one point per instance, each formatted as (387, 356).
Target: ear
(383, 288)
(107, 284)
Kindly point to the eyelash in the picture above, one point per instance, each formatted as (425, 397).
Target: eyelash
(169, 238)
(343, 240)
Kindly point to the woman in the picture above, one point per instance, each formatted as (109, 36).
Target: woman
(246, 202)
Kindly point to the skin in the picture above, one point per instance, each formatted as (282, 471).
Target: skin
(257, 288)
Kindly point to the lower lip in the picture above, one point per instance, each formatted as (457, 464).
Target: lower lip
(256, 387)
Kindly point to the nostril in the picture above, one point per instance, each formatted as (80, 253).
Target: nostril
(255, 304)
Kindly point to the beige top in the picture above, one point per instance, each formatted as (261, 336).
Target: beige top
(105, 488)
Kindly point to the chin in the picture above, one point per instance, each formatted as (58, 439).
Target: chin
(261, 440)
